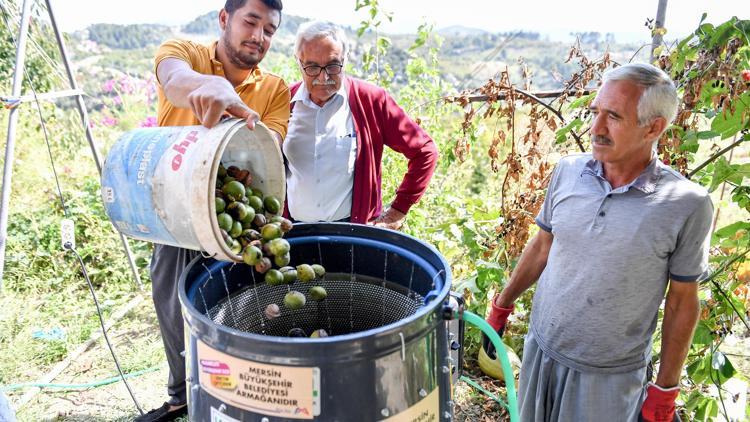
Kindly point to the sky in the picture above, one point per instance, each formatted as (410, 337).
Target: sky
(555, 17)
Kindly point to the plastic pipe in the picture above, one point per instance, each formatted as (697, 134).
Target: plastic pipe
(92, 384)
(502, 354)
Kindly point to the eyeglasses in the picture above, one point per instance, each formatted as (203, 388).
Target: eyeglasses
(314, 70)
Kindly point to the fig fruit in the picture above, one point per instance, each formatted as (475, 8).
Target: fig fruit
(272, 204)
(318, 293)
(263, 266)
(319, 270)
(294, 300)
(319, 334)
(270, 231)
(305, 273)
(225, 221)
(251, 255)
(274, 277)
(233, 190)
(272, 311)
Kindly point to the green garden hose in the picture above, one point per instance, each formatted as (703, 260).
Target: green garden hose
(92, 384)
(510, 385)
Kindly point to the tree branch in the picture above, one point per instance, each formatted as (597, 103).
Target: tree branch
(559, 115)
(537, 95)
(717, 155)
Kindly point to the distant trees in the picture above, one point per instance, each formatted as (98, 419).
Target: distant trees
(128, 37)
(204, 24)
(208, 24)
(594, 37)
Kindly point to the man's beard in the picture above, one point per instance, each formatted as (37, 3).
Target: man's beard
(242, 60)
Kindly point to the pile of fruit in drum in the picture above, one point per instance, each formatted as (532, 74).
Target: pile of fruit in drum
(253, 228)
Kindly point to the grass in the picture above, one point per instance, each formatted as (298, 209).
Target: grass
(138, 346)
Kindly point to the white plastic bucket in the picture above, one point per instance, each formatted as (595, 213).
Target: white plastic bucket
(158, 184)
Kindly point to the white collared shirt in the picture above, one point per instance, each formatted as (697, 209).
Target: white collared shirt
(320, 148)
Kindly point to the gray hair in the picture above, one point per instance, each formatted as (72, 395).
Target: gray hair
(659, 99)
(309, 31)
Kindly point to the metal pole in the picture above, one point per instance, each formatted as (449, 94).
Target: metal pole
(10, 143)
(45, 96)
(658, 38)
(85, 119)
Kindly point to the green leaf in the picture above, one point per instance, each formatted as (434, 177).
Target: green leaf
(727, 123)
(698, 370)
(685, 41)
(741, 196)
(723, 367)
(584, 100)
(730, 230)
(690, 142)
(469, 284)
(384, 43)
(362, 28)
(723, 171)
(562, 134)
(707, 409)
(707, 134)
(705, 30)
(702, 334)
(488, 277)
(694, 400)
(724, 32)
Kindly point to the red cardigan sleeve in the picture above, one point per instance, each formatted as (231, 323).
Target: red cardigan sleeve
(404, 135)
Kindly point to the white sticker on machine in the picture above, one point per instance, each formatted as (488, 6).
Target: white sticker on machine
(425, 410)
(217, 416)
(285, 391)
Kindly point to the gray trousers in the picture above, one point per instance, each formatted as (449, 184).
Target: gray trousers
(167, 265)
(550, 392)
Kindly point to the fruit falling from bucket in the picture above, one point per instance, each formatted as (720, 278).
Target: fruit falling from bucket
(254, 230)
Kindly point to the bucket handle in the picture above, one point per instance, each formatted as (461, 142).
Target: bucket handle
(205, 254)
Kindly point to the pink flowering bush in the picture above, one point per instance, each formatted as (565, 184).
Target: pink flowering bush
(108, 121)
(149, 122)
(126, 102)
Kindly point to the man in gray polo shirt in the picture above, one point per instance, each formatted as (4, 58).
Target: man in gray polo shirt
(617, 227)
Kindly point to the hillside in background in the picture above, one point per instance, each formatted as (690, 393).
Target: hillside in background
(128, 37)
(468, 56)
(208, 24)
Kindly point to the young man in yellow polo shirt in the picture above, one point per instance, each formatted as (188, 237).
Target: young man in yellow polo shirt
(199, 84)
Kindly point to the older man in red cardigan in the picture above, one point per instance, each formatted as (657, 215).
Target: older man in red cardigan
(337, 130)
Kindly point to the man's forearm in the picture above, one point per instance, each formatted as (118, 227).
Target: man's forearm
(530, 266)
(418, 174)
(179, 80)
(179, 84)
(680, 316)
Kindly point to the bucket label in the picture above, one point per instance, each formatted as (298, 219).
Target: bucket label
(127, 188)
(284, 391)
(425, 410)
